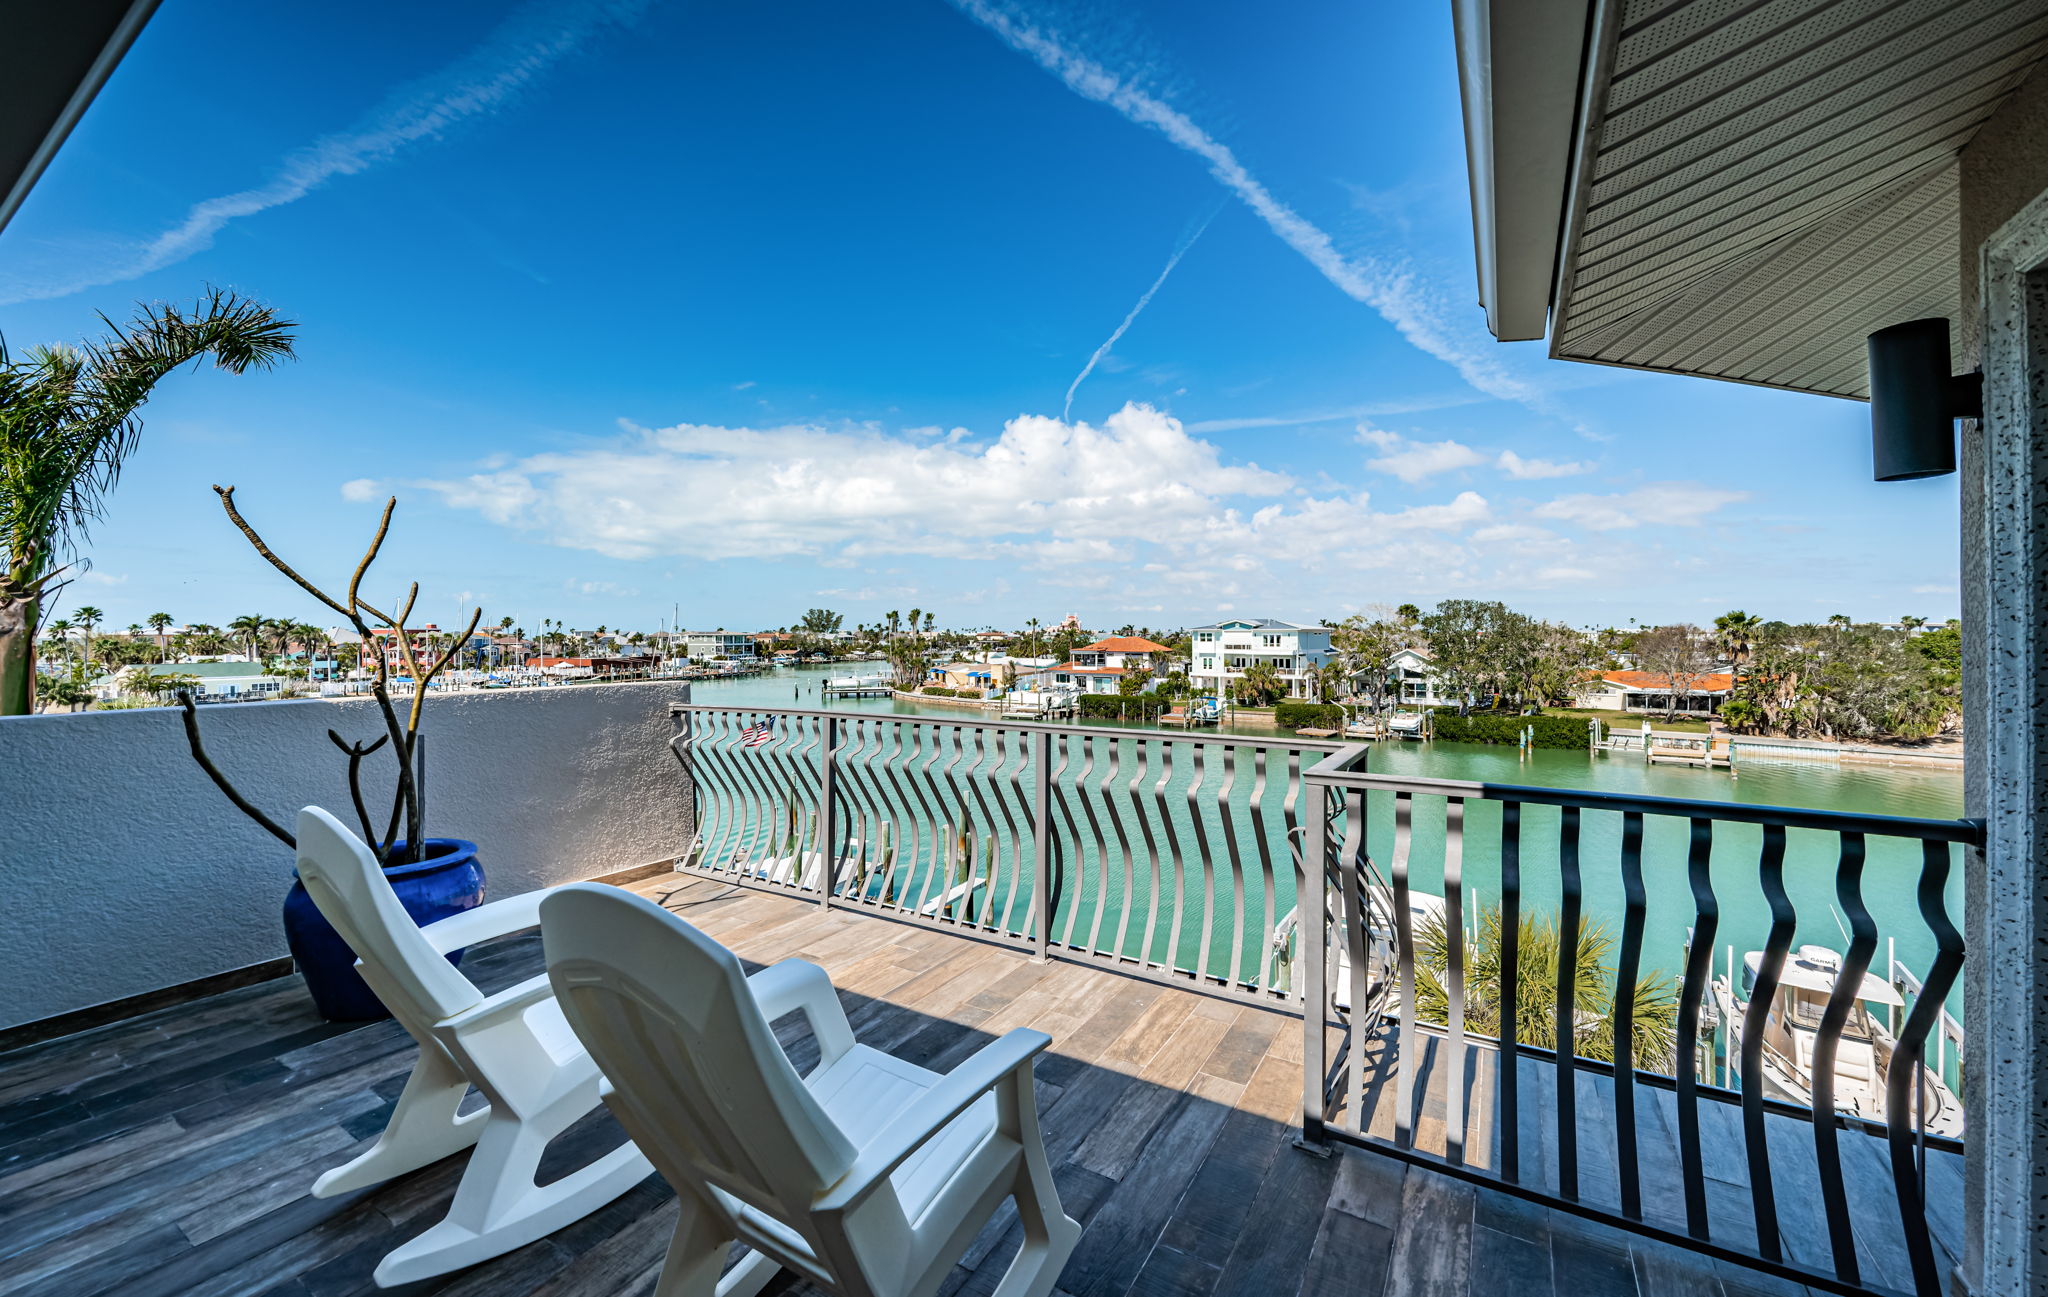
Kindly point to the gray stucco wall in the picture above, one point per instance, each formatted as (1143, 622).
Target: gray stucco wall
(2003, 167)
(126, 871)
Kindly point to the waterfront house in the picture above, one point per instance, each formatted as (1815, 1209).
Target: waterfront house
(703, 645)
(224, 681)
(1222, 652)
(1100, 667)
(1654, 691)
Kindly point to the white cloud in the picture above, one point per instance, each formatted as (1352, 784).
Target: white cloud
(1043, 490)
(94, 577)
(1566, 575)
(1934, 589)
(741, 387)
(360, 489)
(1394, 293)
(1676, 504)
(515, 55)
(1525, 470)
(1415, 461)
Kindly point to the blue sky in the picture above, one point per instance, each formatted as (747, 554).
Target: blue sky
(751, 308)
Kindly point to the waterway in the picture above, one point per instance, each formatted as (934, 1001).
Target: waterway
(1888, 884)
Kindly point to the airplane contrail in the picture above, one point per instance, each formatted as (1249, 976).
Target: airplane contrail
(1143, 302)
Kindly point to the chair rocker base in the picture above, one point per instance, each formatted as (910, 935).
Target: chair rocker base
(538, 1211)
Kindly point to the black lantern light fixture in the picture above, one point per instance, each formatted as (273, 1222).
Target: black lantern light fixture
(1915, 401)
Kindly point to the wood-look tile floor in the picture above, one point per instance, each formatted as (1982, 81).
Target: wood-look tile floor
(171, 1154)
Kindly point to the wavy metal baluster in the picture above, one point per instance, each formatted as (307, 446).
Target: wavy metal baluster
(1510, 990)
(1166, 754)
(1699, 971)
(759, 801)
(1408, 1057)
(1357, 920)
(1454, 933)
(1909, 1057)
(1827, 1151)
(692, 747)
(1567, 1066)
(980, 778)
(904, 838)
(1121, 950)
(1236, 981)
(1762, 1194)
(1183, 902)
(869, 745)
(1009, 790)
(1067, 852)
(1080, 843)
(1627, 971)
(1096, 835)
(931, 804)
(1267, 918)
(1147, 749)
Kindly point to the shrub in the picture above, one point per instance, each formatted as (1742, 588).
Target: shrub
(1568, 732)
(940, 691)
(1297, 716)
(1145, 706)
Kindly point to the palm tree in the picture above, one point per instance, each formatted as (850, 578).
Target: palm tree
(1538, 945)
(87, 617)
(61, 628)
(68, 418)
(1260, 683)
(250, 628)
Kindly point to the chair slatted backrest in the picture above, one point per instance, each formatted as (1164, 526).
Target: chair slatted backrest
(415, 981)
(666, 1013)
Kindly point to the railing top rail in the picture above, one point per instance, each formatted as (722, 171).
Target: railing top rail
(976, 723)
(1333, 770)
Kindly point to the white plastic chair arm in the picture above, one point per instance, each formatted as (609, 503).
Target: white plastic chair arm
(799, 986)
(957, 1091)
(510, 1002)
(492, 919)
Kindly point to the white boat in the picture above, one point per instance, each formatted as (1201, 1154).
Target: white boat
(1406, 725)
(1863, 1057)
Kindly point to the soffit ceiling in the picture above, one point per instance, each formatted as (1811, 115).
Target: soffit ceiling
(1768, 181)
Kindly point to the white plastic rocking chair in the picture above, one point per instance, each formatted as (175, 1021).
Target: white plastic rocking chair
(513, 1046)
(869, 1176)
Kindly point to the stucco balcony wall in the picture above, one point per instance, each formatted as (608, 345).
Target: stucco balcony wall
(127, 871)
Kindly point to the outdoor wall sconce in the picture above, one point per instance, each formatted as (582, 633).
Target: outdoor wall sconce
(1915, 401)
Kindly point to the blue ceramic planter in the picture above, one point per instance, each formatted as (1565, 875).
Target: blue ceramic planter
(448, 881)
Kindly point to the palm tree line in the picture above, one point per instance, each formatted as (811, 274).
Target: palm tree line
(69, 418)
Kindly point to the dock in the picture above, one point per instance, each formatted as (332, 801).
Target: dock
(849, 687)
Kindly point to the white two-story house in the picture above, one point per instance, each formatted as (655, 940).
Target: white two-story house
(1222, 652)
(705, 644)
(1097, 668)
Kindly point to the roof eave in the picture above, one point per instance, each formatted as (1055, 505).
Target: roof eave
(1521, 68)
(57, 58)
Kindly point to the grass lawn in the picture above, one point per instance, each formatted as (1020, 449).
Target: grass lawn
(1633, 720)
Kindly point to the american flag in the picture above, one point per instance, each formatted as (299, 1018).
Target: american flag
(755, 735)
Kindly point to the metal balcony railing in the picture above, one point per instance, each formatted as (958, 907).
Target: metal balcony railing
(1756, 1135)
(1164, 855)
(1664, 1078)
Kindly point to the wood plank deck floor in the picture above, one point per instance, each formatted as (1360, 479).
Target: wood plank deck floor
(171, 1154)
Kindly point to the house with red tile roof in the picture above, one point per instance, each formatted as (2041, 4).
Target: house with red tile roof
(1653, 691)
(1096, 668)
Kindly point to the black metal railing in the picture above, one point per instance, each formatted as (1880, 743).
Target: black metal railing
(1801, 1131)
(1170, 856)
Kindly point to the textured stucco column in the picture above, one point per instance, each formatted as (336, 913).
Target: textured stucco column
(2005, 575)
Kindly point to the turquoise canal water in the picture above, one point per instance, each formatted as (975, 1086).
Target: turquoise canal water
(1116, 880)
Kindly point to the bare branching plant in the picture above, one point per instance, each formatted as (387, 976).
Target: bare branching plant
(401, 722)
